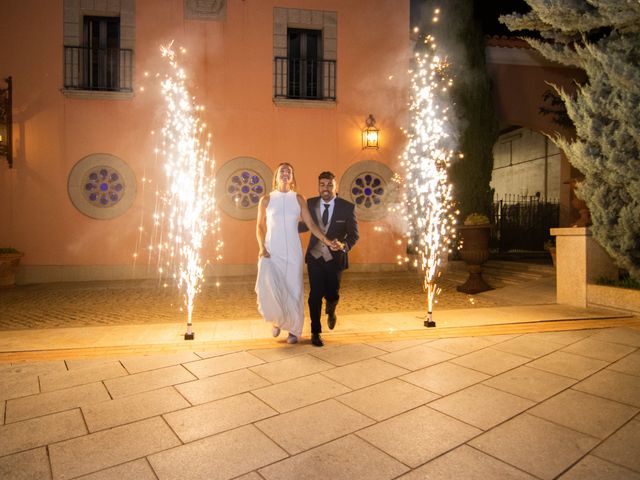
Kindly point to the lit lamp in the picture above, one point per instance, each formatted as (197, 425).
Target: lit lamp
(370, 134)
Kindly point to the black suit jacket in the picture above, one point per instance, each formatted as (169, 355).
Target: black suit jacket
(343, 226)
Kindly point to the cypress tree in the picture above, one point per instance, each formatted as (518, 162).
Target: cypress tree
(460, 34)
(602, 38)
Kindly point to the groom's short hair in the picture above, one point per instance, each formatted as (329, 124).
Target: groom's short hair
(326, 176)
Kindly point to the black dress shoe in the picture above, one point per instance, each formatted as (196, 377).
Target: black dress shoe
(316, 340)
(331, 320)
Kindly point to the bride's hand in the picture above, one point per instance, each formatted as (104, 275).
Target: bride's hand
(264, 253)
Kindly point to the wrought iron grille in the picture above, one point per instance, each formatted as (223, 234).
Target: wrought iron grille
(304, 79)
(523, 223)
(105, 69)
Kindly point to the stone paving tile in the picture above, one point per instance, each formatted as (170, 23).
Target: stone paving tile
(222, 364)
(215, 417)
(415, 358)
(220, 457)
(481, 406)
(32, 368)
(220, 386)
(38, 432)
(398, 344)
(585, 413)
(56, 401)
(300, 392)
(568, 364)
(119, 411)
(29, 465)
(136, 470)
(545, 450)
(563, 337)
(386, 399)
(347, 458)
(343, 354)
(282, 352)
(622, 447)
(594, 468)
(444, 378)
(145, 381)
(76, 363)
(16, 386)
(593, 348)
(290, 368)
(153, 362)
(417, 436)
(528, 346)
(490, 361)
(629, 364)
(311, 426)
(624, 336)
(460, 345)
(217, 352)
(496, 339)
(364, 373)
(530, 383)
(614, 386)
(109, 448)
(466, 463)
(250, 476)
(81, 376)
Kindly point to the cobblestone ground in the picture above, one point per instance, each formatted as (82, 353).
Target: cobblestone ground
(144, 301)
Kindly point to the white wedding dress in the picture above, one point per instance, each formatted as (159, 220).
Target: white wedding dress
(279, 285)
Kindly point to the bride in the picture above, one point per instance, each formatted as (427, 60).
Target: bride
(279, 285)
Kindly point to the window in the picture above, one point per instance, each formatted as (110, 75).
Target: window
(98, 50)
(101, 53)
(305, 54)
(304, 57)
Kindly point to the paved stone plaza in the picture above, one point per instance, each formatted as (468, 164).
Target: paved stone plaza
(527, 398)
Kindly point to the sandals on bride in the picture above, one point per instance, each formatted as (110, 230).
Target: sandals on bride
(275, 331)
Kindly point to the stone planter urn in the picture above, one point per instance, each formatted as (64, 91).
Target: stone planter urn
(9, 260)
(475, 252)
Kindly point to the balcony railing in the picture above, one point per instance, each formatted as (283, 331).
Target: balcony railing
(304, 79)
(102, 69)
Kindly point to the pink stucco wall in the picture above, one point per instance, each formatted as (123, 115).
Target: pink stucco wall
(230, 69)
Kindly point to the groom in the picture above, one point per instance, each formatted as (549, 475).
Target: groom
(337, 219)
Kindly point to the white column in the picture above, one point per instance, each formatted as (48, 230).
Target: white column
(579, 260)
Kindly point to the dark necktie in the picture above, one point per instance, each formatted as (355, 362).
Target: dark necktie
(325, 214)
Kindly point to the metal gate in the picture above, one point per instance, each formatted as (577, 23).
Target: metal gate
(523, 223)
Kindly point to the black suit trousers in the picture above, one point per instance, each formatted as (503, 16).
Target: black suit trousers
(324, 282)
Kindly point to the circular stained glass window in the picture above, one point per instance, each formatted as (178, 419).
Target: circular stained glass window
(367, 190)
(370, 186)
(245, 187)
(103, 186)
(240, 183)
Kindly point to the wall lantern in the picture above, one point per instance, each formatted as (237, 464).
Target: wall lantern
(370, 134)
(6, 123)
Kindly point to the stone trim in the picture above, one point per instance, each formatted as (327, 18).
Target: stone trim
(208, 10)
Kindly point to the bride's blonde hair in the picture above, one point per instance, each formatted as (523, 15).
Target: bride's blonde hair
(293, 176)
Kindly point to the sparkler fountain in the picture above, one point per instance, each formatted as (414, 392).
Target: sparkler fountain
(188, 206)
(427, 193)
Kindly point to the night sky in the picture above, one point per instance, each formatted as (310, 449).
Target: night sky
(487, 11)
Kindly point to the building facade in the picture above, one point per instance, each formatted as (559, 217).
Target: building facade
(279, 80)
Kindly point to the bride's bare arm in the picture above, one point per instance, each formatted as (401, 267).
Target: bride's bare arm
(261, 226)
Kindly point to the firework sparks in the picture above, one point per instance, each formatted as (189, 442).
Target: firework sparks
(186, 212)
(426, 159)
